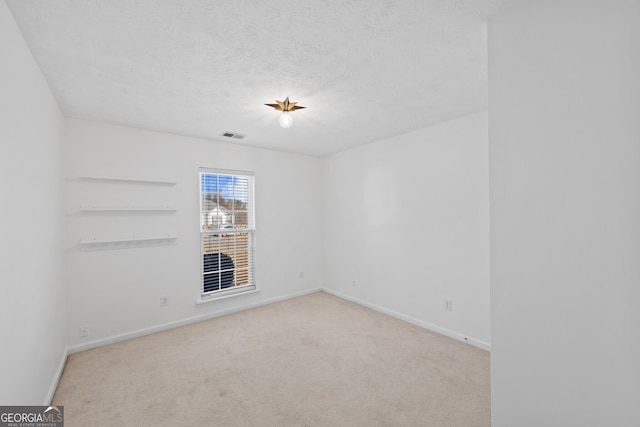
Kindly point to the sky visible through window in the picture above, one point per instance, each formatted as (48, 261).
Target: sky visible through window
(229, 187)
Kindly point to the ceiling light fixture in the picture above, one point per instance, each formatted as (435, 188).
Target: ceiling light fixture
(286, 107)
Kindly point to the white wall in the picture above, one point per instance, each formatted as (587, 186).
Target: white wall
(31, 296)
(565, 213)
(116, 292)
(407, 219)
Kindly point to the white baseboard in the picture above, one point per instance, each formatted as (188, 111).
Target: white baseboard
(183, 322)
(56, 378)
(434, 328)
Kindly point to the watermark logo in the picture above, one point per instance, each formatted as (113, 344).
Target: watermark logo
(31, 416)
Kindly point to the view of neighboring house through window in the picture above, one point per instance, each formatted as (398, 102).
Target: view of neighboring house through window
(226, 231)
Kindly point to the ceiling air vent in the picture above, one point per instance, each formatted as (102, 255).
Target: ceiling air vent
(232, 135)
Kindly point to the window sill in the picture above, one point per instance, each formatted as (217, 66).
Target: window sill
(201, 301)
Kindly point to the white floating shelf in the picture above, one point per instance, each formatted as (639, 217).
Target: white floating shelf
(129, 180)
(128, 242)
(127, 209)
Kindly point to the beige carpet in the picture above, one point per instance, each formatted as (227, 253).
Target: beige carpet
(316, 360)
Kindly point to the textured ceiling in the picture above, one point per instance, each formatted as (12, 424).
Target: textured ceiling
(365, 69)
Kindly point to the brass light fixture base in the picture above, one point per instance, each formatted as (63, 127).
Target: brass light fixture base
(286, 105)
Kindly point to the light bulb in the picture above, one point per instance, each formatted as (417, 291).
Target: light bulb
(285, 120)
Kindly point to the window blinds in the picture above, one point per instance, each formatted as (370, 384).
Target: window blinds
(227, 232)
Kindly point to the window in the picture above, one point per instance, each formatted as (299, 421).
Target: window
(226, 232)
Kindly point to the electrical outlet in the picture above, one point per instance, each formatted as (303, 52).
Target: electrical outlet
(302, 275)
(164, 301)
(448, 305)
(84, 331)
(353, 283)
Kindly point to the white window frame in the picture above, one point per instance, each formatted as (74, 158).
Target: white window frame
(250, 287)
